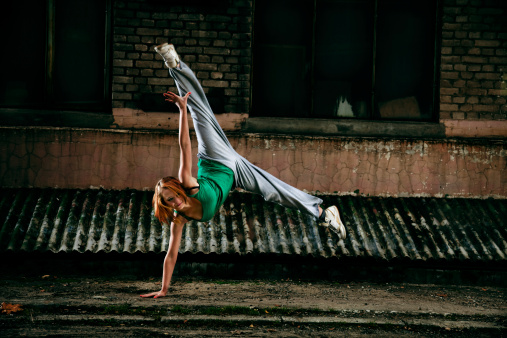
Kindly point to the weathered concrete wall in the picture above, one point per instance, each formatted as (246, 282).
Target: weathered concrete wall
(80, 158)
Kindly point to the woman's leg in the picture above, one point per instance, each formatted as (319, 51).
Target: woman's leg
(256, 180)
(212, 141)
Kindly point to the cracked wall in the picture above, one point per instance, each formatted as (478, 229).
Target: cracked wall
(119, 159)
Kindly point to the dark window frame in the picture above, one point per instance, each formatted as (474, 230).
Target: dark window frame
(48, 100)
(256, 106)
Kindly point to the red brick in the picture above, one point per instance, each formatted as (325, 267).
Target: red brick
(445, 99)
(487, 43)
(487, 84)
(460, 83)
(497, 92)
(488, 51)
(217, 59)
(500, 100)
(474, 84)
(203, 58)
(204, 34)
(450, 59)
(472, 99)
(123, 63)
(474, 51)
(204, 66)
(448, 107)
(448, 91)
(487, 76)
(191, 17)
(486, 100)
(466, 75)
(146, 56)
(217, 75)
(122, 96)
(216, 51)
(451, 26)
(160, 81)
(132, 72)
(451, 43)
(202, 75)
(465, 107)
(475, 91)
(486, 108)
(149, 31)
(122, 79)
(458, 115)
(213, 83)
(450, 75)
(474, 59)
(148, 64)
(498, 60)
(445, 115)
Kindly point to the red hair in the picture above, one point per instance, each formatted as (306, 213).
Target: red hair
(163, 212)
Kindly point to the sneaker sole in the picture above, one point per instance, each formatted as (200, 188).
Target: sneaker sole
(341, 232)
(163, 49)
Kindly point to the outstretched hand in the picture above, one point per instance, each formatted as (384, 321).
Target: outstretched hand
(180, 102)
(156, 294)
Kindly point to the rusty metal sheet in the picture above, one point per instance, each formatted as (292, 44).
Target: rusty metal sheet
(420, 229)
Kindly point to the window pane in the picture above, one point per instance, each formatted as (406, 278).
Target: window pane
(22, 75)
(79, 51)
(405, 59)
(343, 58)
(282, 58)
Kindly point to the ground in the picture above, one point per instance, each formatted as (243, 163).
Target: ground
(77, 305)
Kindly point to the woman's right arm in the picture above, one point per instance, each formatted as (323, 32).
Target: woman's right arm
(170, 258)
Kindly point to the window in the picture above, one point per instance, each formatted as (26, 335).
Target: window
(363, 59)
(57, 55)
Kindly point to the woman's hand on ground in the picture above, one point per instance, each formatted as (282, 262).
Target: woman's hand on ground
(180, 102)
(156, 294)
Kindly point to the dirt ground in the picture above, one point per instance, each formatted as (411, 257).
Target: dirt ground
(352, 309)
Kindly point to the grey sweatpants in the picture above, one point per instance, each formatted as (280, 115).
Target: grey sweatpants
(214, 145)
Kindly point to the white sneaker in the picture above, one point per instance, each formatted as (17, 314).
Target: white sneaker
(334, 223)
(168, 53)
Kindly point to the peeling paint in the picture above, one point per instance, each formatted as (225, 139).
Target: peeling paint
(116, 159)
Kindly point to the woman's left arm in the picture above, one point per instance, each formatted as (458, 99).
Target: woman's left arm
(185, 172)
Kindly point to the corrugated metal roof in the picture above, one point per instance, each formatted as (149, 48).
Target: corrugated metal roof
(61, 220)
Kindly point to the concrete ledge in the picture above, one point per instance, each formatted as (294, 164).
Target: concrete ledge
(323, 127)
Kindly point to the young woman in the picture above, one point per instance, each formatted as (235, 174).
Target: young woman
(220, 167)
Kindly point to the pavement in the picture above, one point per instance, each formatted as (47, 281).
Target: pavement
(83, 305)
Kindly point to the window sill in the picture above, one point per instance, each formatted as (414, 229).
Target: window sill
(328, 127)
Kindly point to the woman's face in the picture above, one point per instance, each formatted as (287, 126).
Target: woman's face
(173, 200)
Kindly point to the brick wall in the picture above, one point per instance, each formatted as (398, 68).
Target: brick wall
(213, 37)
(474, 60)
